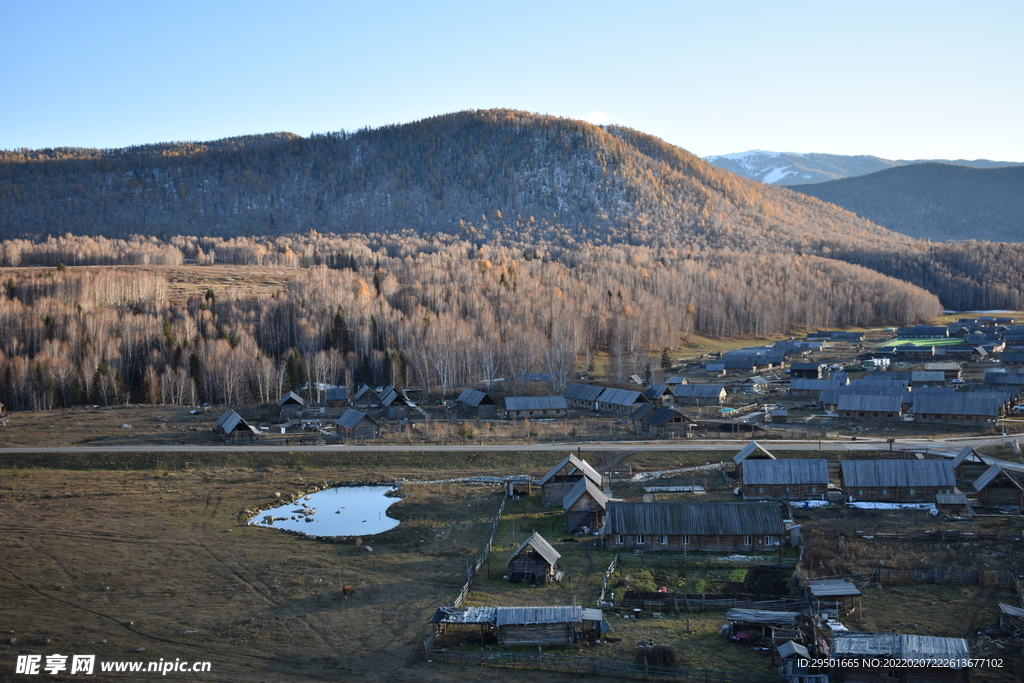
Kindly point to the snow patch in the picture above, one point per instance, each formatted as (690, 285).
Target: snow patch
(804, 504)
(869, 505)
(776, 174)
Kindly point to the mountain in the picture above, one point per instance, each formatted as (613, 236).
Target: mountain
(790, 168)
(554, 189)
(935, 201)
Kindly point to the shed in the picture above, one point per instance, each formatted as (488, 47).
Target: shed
(968, 464)
(923, 659)
(896, 481)
(290, 404)
(693, 526)
(954, 504)
(534, 562)
(584, 506)
(562, 478)
(997, 487)
(1011, 618)
(760, 625)
(546, 626)
(477, 403)
(354, 424)
(835, 590)
(231, 424)
(794, 479)
(517, 407)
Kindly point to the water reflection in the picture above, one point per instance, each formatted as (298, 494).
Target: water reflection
(339, 511)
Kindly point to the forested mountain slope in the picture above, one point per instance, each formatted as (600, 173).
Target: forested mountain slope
(935, 201)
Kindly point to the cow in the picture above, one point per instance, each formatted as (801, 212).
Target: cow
(347, 591)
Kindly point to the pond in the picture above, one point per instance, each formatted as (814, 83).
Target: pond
(338, 511)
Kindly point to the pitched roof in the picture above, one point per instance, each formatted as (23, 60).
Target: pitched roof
(832, 587)
(697, 519)
(472, 398)
(541, 546)
(575, 466)
(291, 398)
(518, 616)
(989, 475)
(337, 393)
(619, 397)
(938, 651)
(870, 403)
(960, 403)
(966, 453)
(698, 390)
(750, 449)
(582, 392)
(785, 472)
(800, 384)
(230, 420)
(585, 485)
(662, 416)
(535, 403)
(760, 616)
(897, 473)
(640, 412)
(350, 418)
(656, 391)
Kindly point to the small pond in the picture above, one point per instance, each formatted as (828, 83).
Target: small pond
(339, 511)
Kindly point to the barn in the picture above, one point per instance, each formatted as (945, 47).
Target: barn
(563, 477)
(534, 562)
(693, 526)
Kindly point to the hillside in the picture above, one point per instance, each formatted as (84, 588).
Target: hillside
(791, 168)
(935, 201)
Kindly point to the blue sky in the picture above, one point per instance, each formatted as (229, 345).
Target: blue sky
(895, 79)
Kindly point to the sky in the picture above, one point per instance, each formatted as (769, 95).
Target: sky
(895, 79)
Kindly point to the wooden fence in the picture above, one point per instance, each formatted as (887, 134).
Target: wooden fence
(901, 577)
(595, 666)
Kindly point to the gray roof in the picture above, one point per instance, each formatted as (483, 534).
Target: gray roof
(756, 380)
(472, 398)
(662, 416)
(750, 449)
(1011, 611)
(959, 403)
(535, 403)
(908, 375)
(760, 616)
(676, 379)
(656, 391)
(619, 397)
(230, 421)
(541, 546)
(509, 616)
(337, 393)
(900, 646)
(585, 485)
(897, 473)
(870, 403)
(832, 587)
(831, 396)
(574, 466)
(291, 398)
(350, 418)
(785, 472)
(799, 384)
(697, 519)
(715, 367)
(791, 649)
(966, 453)
(698, 390)
(989, 475)
(583, 392)
(996, 377)
(641, 411)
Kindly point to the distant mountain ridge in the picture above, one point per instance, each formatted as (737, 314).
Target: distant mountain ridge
(791, 168)
(935, 201)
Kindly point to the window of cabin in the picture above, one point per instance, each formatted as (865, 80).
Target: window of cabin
(686, 540)
(858, 492)
(746, 540)
(785, 489)
(812, 489)
(664, 540)
(640, 540)
(758, 489)
(910, 492)
(618, 539)
(769, 540)
(883, 492)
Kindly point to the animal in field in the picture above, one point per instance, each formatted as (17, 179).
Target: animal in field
(347, 591)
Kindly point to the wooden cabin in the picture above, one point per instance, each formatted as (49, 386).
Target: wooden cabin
(534, 562)
(693, 526)
(954, 504)
(752, 451)
(231, 425)
(521, 407)
(999, 488)
(477, 403)
(896, 481)
(968, 465)
(564, 476)
(291, 404)
(796, 479)
(354, 424)
(584, 507)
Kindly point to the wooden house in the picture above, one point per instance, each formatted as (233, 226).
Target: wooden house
(870, 407)
(523, 626)
(395, 404)
(896, 481)
(365, 397)
(715, 369)
(693, 526)
(676, 380)
(477, 403)
(699, 394)
(999, 488)
(968, 464)
(584, 507)
(755, 385)
(658, 394)
(583, 396)
(807, 371)
(336, 396)
(899, 658)
(960, 407)
(796, 479)
(354, 424)
(814, 387)
(231, 425)
(752, 451)
(563, 477)
(664, 423)
(522, 407)
(535, 561)
(619, 401)
(291, 404)
(949, 369)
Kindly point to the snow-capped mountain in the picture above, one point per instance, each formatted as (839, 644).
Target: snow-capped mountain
(791, 168)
